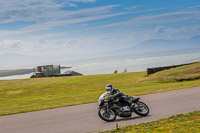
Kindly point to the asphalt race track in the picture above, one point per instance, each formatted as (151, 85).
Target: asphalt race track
(84, 118)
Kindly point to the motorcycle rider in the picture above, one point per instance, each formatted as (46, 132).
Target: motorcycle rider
(114, 103)
(114, 92)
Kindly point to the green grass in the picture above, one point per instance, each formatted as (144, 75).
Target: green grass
(184, 73)
(26, 95)
(183, 123)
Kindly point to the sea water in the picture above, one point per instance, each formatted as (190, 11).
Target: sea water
(119, 63)
(131, 64)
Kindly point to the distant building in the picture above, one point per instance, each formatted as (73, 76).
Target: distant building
(73, 73)
(49, 70)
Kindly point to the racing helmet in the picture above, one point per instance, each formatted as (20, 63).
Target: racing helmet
(109, 88)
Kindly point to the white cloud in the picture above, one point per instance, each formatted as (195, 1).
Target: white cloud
(165, 18)
(7, 46)
(48, 14)
(34, 10)
(56, 23)
(155, 9)
(46, 25)
(130, 8)
(56, 17)
(83, 1)
(25, 10)
(157, 19)
(198, 6)
(159, 29)
(184, 32)
(85, 45)
(72, 5)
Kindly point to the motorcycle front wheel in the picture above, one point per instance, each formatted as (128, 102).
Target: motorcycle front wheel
(141, 109)
(106, 115)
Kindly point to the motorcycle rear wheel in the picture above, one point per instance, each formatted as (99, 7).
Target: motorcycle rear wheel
(105, 115)
(141, 109)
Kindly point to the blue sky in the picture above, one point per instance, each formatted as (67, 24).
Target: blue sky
(59, 27)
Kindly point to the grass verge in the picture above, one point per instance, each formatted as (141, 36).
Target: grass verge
(183, 123)
(25, 95)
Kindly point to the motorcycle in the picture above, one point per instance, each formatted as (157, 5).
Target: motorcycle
(109, 108)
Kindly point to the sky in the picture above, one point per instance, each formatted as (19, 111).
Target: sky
(60, 27)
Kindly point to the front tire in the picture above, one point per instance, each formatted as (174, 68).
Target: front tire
(105, 115)
(141, 109)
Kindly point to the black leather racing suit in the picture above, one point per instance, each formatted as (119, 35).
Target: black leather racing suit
(117, 93)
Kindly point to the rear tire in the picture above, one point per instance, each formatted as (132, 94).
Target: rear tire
(106, 116)
(141, 109)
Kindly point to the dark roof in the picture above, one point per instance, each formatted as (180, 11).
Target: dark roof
(72, 72)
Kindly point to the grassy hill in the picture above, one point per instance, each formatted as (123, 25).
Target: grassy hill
(184, 73)
(26, 95)
(182, 123)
